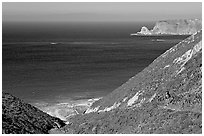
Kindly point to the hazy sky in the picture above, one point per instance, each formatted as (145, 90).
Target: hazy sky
(92, 12)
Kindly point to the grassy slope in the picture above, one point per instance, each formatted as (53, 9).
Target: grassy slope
(20, 118)
(169, 100)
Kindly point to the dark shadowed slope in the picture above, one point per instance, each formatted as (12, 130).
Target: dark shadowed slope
(166, 97)
(21, 118)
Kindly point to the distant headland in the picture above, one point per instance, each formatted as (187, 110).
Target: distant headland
(172, 27)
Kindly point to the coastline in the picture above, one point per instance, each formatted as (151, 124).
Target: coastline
(64, 110)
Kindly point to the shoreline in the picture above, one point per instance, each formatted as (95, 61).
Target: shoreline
(64, 110)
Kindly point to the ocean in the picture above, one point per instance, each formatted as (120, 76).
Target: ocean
(56, 62)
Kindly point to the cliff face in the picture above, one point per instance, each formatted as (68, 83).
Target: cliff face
(175, 27)
(21, 118)
(166, 97)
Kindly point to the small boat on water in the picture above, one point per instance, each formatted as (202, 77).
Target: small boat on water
(53, 43)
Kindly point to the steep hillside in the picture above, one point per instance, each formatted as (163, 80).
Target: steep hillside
(166, 97)
(21, 118)
(175, 27)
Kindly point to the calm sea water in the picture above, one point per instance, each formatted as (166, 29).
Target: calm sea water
(89, 60)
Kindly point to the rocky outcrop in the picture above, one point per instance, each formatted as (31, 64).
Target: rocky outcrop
(166, 97)
(22, 118)
(173, 27)
(145, 31)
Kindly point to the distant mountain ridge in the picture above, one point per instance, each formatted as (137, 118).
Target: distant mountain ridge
(166, 97)
(173, 27)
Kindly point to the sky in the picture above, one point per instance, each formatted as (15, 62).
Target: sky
(98, 12)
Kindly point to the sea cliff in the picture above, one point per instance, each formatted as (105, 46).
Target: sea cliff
(173, 27)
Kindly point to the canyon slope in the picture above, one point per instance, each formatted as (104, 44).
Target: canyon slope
(166, 97)
(22, 118)
(173, 27)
